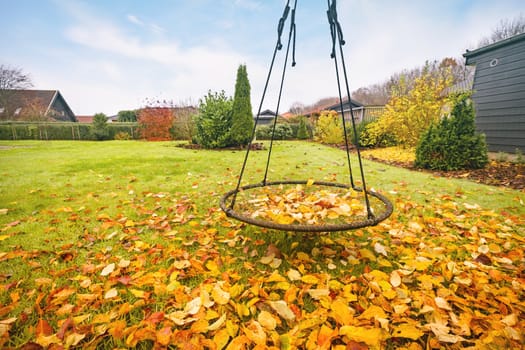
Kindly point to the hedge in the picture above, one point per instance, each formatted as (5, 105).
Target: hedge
(61, 131)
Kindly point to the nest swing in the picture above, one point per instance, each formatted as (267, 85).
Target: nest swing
(303, 218)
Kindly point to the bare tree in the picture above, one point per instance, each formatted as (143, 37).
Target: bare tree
(505, 29)
(11, 79)
(297, 108)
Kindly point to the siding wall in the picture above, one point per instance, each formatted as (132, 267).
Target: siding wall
(499, 94)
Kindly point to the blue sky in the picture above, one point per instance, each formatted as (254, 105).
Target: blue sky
(111, 55)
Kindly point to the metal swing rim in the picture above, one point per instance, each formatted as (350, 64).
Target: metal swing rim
(372, 221)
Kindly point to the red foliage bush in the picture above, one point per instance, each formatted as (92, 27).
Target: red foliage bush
(155, 123)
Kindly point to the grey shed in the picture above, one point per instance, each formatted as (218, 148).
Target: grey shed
(499, 93)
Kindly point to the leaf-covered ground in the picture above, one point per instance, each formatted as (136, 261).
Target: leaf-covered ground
(498, 172)
(159, 269)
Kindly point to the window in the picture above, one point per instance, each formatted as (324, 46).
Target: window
(2, 109)
(18, 110)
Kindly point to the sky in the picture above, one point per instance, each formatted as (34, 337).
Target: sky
(110, 55)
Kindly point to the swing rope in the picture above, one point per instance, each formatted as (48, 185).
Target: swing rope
(337, 42)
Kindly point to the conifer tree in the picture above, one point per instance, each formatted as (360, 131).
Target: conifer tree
(242, 118)
(302, 131)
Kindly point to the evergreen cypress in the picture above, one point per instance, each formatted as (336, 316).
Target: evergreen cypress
(302, 131)
(242, 118)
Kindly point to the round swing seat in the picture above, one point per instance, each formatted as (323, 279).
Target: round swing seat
(382, 208)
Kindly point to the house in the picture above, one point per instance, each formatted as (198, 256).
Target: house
(85, 119)
(361, 112)
(499, 93)
(265, 117)
(35, 105)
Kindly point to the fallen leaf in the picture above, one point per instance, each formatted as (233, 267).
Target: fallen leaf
(111, 293)
(370, 336)
(282, 309)
(108, 269)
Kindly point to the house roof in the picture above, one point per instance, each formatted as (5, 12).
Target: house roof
(37, 98)
(85, 118)
(514, 39)
(267, 114)
(346, 105)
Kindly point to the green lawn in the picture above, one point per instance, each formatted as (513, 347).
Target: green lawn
(122, 244)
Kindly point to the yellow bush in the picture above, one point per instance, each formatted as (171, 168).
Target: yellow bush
(329, 128)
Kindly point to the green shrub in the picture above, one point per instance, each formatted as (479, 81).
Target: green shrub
(282, 132)
(453, 143)
(213, 123)
(60, 130)
(100, 127)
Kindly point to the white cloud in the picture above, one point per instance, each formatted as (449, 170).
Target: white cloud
(116, 67)
(134, 19)
(249, 4)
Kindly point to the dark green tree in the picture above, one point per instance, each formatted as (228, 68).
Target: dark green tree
(99, 128)
(242, 118)
(127, 116)
(453, 143)
(302, 131)
(213, 122)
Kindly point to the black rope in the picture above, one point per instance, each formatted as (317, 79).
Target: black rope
(290, 35)
(278, 47)
(337, 37)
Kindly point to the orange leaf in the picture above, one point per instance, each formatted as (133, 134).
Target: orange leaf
(43, 328)
(116, 329)
(164, 336)
(325, 336)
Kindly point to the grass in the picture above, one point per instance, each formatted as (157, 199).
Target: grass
(71, 208)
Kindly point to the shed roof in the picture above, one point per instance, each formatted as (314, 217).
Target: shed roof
(469, 55)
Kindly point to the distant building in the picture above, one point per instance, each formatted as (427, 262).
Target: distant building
(499, 93)
(265, 117)
(85, 119)
(35, 105)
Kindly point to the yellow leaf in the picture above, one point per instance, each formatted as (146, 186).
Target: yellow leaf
(221, 338)
(310, 279)
(220, 296)
(318, 293)
(406, 330)
(212, 266)
(369, 336)
(367, 254)
(395, 279)
(310, 182)
(373, 311)
(341, 312)
(232, 328)
(267, 320)
(137, 293)
(73, 339)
